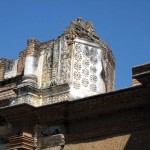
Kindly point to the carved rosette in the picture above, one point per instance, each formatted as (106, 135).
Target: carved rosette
(87, 69)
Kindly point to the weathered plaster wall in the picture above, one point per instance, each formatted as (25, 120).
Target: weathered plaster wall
(11, 70)
(87, 67)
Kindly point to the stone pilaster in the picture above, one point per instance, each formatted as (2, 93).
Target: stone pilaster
(27, 91)
(31, 62)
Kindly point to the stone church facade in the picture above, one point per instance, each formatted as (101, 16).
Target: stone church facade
(60, 95)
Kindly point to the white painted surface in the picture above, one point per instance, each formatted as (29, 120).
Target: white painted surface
(31, 64)
(86, 43)
(39, 69)
(13, 72)
(99, 84)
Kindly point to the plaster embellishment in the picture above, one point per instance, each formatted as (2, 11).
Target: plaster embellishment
(85, 82)
(76, 85)
(93, 78)
(55, 63)
(93, 87)
(29, 99)
(77, 75)
(86, 70)
(78, 47)
(93, 60)
(47, 68)
(55, 99)
(93, 69)
(86, 52)
(65, 61)
(85, 63)
(93, 52)
(77, 66)
(78, 57)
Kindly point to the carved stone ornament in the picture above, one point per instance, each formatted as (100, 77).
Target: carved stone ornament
(78, 58)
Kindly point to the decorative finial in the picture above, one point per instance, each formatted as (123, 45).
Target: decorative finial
(90, 26)
(79, 20)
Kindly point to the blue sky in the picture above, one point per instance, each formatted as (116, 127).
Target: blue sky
(123, 24)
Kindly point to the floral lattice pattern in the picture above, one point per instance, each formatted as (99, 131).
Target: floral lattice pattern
(85, 82)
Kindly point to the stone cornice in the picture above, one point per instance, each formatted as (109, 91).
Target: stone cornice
(16, 79)
(104, 103)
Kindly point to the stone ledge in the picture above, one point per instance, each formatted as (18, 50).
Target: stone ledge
(51, 141)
